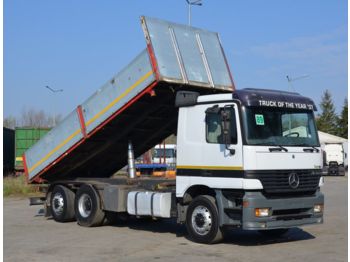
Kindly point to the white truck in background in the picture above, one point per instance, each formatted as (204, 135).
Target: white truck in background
(164, 154)
(334, 159)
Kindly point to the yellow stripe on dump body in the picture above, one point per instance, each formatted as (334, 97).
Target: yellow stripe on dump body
(127, 91)
(54, 150)
(211, 167)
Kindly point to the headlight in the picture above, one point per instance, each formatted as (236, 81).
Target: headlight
(318, 208)
(262, 212)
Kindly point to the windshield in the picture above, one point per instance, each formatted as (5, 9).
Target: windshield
(271, 126)
(169, 152)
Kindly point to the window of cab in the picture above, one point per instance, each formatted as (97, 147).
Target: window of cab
(214, 125)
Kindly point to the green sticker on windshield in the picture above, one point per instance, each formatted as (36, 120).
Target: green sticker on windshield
(259, 120)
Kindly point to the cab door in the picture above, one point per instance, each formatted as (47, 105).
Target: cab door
(223, 140)
(203, 158)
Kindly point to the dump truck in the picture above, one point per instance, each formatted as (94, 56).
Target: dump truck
(240, 164)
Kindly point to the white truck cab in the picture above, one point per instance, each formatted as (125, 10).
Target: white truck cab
(334, 159)
(256, 152)
(334, 153)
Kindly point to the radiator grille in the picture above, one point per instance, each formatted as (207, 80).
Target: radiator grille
(278, 181)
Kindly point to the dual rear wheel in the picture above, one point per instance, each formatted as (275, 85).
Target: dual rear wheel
(84, 205)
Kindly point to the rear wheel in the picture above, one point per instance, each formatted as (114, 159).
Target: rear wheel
(202, 220)
(62, 204)
(87, 206)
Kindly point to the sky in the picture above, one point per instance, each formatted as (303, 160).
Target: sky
(78, 45)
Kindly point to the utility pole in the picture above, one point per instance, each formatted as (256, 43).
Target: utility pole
(54, 91)
(190, 3)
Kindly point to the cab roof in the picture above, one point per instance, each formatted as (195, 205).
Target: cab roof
(274, 98)
(251, 97)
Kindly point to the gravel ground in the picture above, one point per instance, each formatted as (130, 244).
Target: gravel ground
(31, 237)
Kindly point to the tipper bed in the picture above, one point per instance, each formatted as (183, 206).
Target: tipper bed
(136, 105)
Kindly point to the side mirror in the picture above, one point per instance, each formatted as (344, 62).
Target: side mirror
(226, 129)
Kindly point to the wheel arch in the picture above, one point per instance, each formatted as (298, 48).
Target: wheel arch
(197, 190)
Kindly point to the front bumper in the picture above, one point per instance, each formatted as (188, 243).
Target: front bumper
(285, 212)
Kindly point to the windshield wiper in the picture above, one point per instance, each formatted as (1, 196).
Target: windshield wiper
(278, 148)
(309, 149)
(312, 149)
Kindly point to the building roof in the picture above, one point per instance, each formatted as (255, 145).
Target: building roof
(326, 138)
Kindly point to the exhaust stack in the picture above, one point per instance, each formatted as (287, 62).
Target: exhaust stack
(131, 161)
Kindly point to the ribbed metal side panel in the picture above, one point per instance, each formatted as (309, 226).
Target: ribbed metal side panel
(53, 144)
(99, 107)
(187, 55)
(118, 91)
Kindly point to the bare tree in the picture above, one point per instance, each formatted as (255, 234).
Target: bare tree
(37, 118)
(52, 121)
(32, 118)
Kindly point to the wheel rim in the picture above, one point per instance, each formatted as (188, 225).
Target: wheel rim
(58, 203)
(201, 220)
(85, 205)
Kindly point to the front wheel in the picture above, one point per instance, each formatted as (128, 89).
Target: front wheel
(87, 206)
(202, 220)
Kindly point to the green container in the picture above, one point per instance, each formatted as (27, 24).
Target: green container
(25, 137)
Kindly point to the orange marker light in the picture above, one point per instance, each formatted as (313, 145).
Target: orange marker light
(262, 212)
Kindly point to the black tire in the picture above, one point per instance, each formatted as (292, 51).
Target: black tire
(87, 207)
(62, 204)
(204, 227)
(274, 232)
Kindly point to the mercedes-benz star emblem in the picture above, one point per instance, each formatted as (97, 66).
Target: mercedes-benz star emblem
(293, 180)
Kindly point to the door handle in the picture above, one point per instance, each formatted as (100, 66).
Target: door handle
(232, 151)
